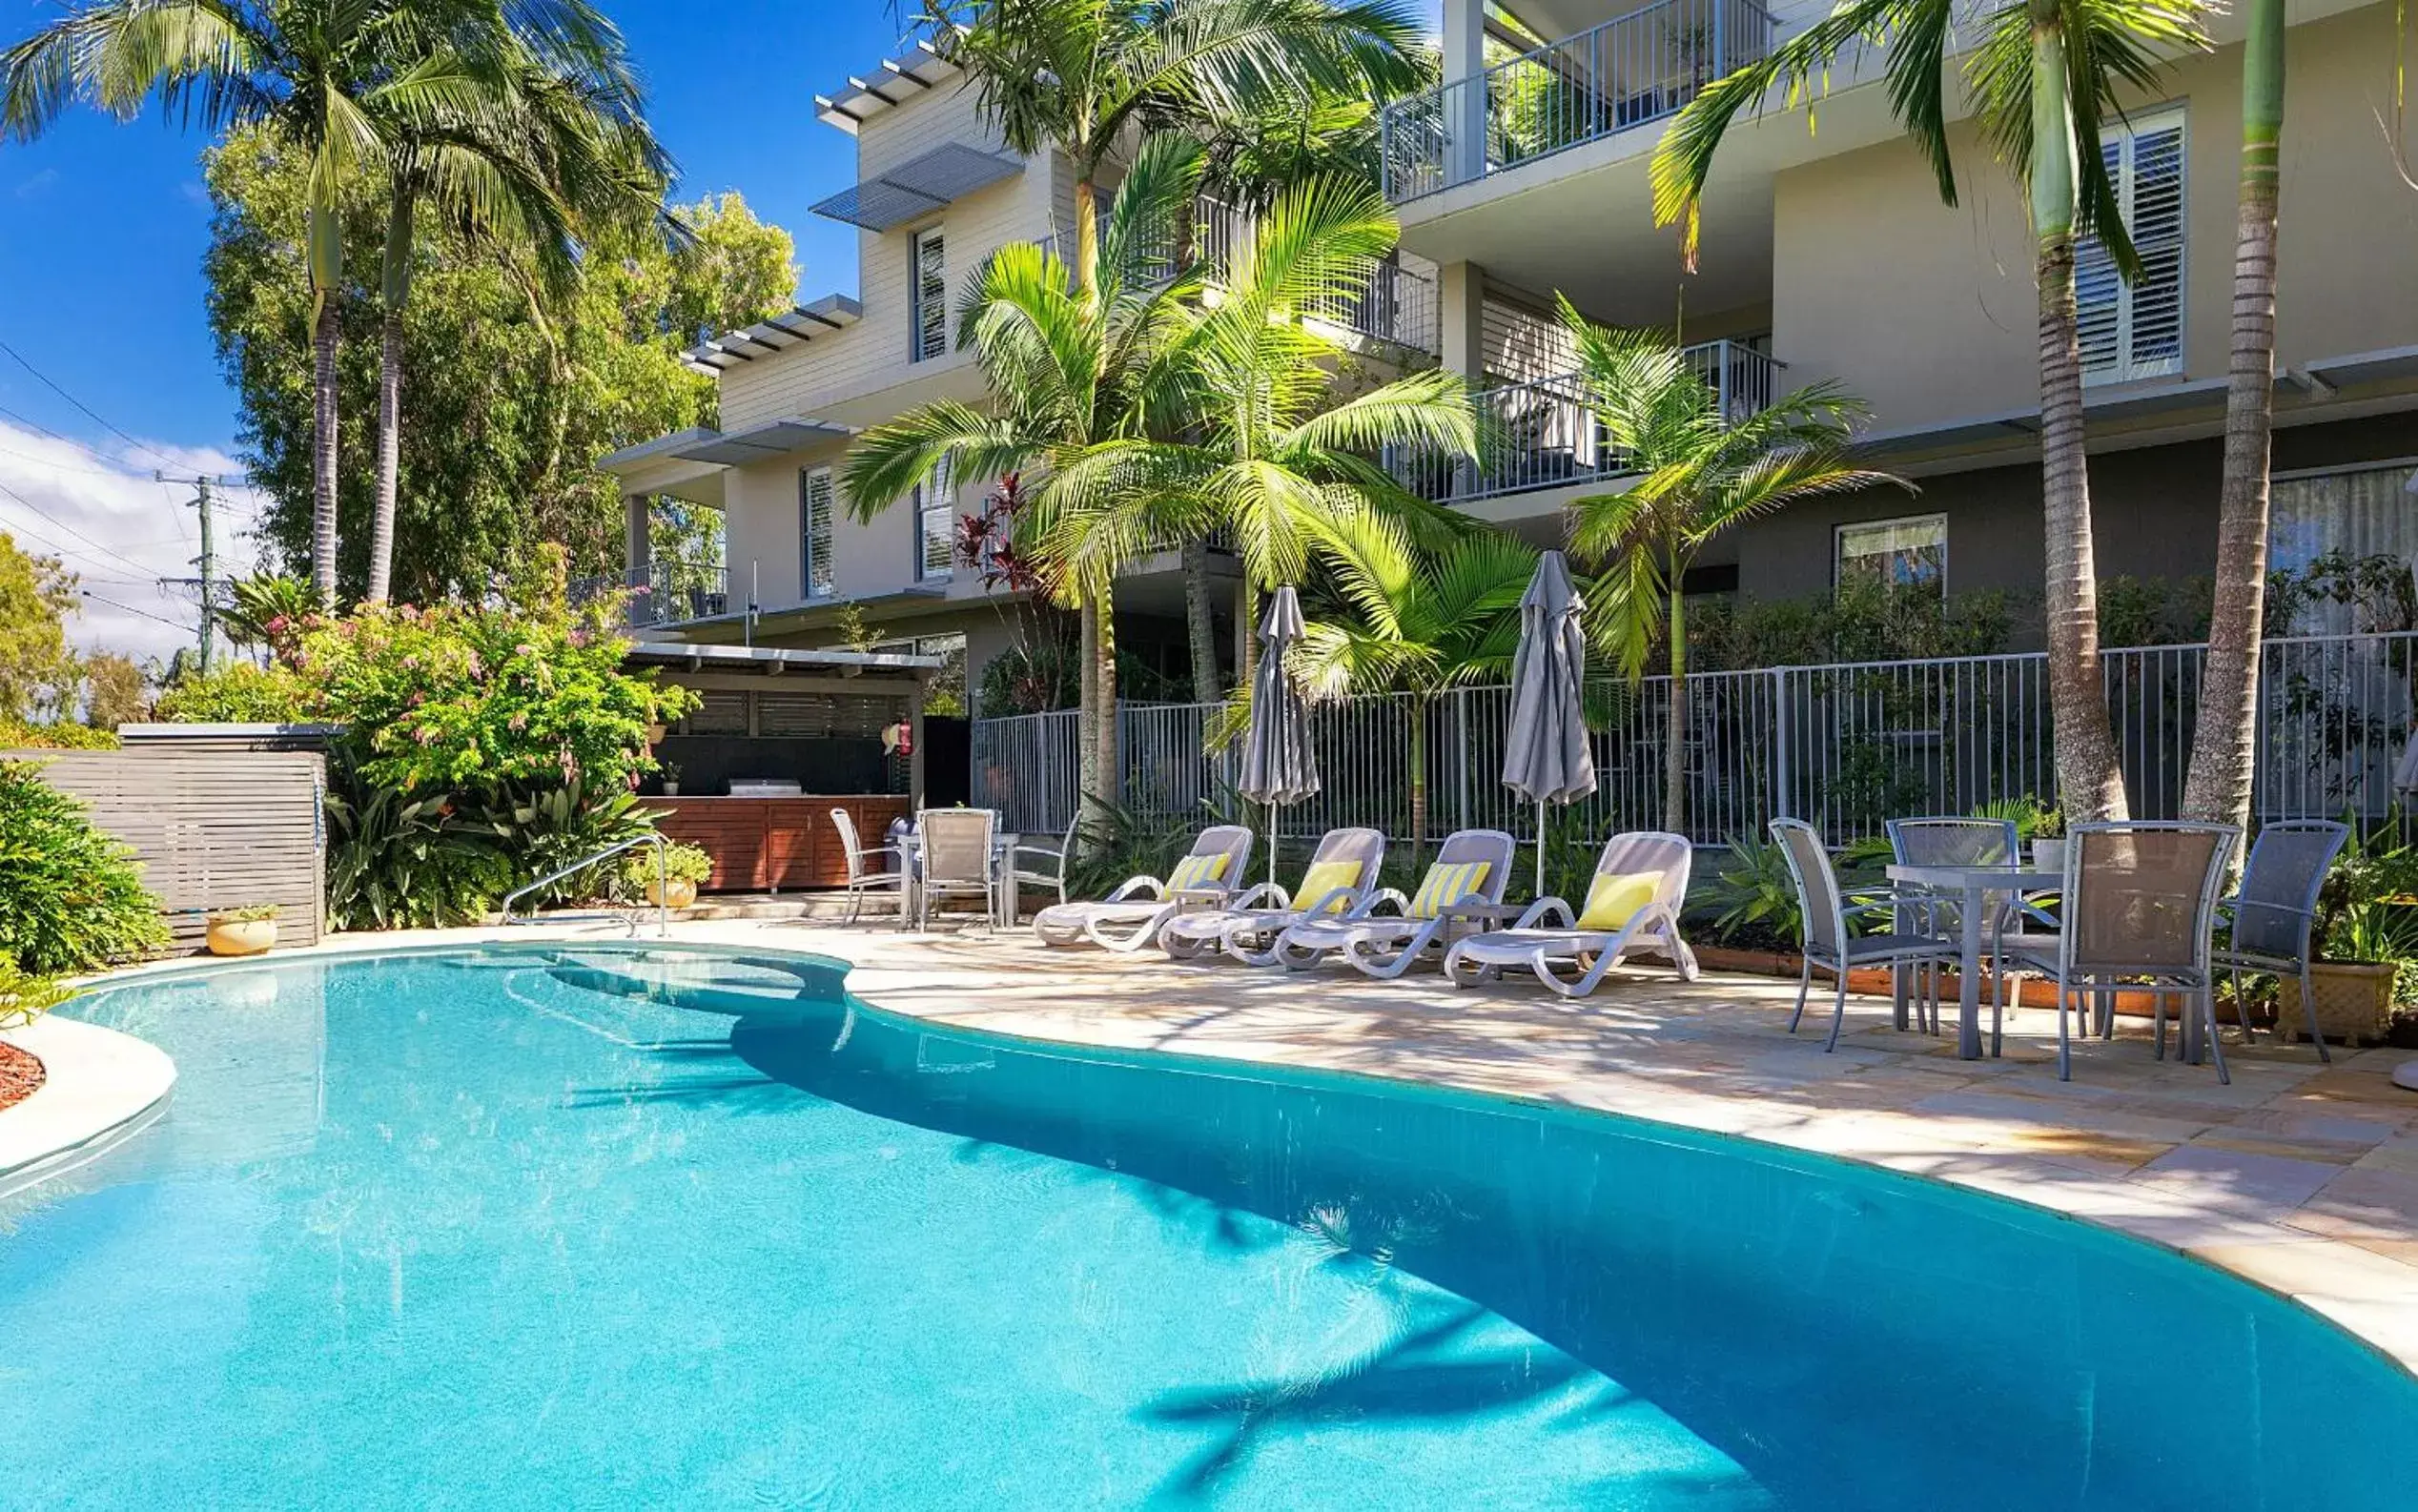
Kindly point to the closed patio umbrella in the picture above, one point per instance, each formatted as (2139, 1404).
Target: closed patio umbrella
(1278, 767)
(1545, 755)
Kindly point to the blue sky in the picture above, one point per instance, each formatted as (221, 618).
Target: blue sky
(103, 226)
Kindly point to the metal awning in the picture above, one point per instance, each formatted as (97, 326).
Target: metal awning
(919, 186)
(795, 327)
(2367, 367)
(762, 442)
(896, 82)
(701, 656)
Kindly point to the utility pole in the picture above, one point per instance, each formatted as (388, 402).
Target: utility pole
(208, 564)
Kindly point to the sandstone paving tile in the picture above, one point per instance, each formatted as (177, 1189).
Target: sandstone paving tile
(2234, 1177)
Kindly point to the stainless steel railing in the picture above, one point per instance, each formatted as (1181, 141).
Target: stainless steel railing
(662, 881)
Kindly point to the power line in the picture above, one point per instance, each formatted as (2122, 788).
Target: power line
(128, 608)
(88, 410)
(61, 467)
(61, 524)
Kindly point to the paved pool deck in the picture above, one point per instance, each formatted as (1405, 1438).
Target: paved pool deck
(2301, 1177)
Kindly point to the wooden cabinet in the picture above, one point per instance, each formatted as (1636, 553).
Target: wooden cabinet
(761, 844)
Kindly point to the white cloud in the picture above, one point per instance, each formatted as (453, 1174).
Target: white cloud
(120, 530)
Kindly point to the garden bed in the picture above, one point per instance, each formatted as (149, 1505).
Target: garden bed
(20, 1073)
(2035, 992)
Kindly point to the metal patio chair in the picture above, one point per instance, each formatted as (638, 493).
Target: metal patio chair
(867, 879)
(1051, 874)
(2274, 914)
(1825, 907)
(1954, 840)
(958, 861)
(2139, 905)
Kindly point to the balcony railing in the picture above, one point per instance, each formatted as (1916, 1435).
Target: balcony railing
(1631, 70)
(663, 592)
(1543, 433)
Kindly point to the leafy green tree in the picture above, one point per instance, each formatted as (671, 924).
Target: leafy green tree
(2046, 75)
(328, 80)
(1414, 622)
(1698, 472)
(72, 897)
(116, 691)
(1084, 77)
(37, 666)
(544, 140)
(518, 385)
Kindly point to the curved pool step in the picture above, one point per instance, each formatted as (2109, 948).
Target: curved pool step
(734, 985)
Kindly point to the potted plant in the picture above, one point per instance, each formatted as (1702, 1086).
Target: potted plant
(671, 779)
(248, 930)
(685, 869)
(2047, 834)
(2366, 939)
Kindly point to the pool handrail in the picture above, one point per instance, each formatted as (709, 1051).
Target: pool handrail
(663, 881)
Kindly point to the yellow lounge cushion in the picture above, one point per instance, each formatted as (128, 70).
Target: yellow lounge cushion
(1328, 876)
(1614, 898)
(1445, 886)
(1194, 872)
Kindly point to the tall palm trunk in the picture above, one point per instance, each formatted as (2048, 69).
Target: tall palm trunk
(1417, 755)
(397, 290)
(1201, 624)
(1087, 236)
(2225, 743)
(1675, 732)
(1246, 611)
(1088, 783)
(1105, 756)
(323, 440)
(2090, 784)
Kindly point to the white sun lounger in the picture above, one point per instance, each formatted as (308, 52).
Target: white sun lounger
(1130, 917)
(1385, 944)
(1547, 940)
(1247, 929)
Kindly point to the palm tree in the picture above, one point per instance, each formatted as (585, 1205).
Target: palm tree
(2045, 74)
(1083, 77)
(1268, 447)
(1698, 472)
(1417, 623)
(1081, 385)
(2224, 742)
(546, 137)
(322, 75)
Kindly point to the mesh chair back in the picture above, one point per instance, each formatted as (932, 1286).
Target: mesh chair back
(1232, 842)
(1817, 893)
(2140, 898)
(850, 846)
(1954, 842)
(2278, 900)
(1493, 846)
(1647, 850)
(956, 847)
(1364, 849)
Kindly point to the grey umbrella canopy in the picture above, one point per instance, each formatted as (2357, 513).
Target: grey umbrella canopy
(1546, 756)
(1278, 767)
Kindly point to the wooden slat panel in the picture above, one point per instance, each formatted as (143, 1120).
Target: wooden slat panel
(729, 830)
(214, 829)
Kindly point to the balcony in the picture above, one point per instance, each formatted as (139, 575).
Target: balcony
(1627, 72)
(1542, 433)
(663, 592)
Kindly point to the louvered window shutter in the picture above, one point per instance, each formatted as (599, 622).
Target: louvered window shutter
(814, 530)
(2130, 332)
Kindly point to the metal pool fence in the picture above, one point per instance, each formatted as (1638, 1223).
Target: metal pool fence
(1845, 745)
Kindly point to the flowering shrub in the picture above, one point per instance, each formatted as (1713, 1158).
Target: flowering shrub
(479, 698)
(241, 693)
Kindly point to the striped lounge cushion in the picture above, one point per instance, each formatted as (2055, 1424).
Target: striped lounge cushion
(1195, 872)
(1445, 886)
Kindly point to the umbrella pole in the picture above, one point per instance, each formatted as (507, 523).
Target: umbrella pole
(1540, 848)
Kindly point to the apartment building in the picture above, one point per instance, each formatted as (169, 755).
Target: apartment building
(1829, 256)
(936, 192)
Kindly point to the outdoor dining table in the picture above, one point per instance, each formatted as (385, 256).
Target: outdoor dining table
(1975, 887)
(910, 840)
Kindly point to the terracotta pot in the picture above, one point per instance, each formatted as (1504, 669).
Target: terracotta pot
(679, 893)
(240, 936)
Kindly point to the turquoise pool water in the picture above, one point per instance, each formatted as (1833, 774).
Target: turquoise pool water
(595, 1227)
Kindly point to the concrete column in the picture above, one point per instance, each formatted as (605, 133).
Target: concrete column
(915, 733)
(1460, 298)
(1465, 113)
(637, 552)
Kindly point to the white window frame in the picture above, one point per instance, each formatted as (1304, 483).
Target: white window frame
(1838, 541)
(2126, 136)
(924, 343)
(811, 564)
(936, 497)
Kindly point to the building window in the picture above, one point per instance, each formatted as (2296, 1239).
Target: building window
(936, 525)
(2135, 331)
(814, 532)
(2342, 543)
(928, 308)
(1895, 551)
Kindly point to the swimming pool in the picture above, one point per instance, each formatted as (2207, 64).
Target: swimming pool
(601, 1226)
